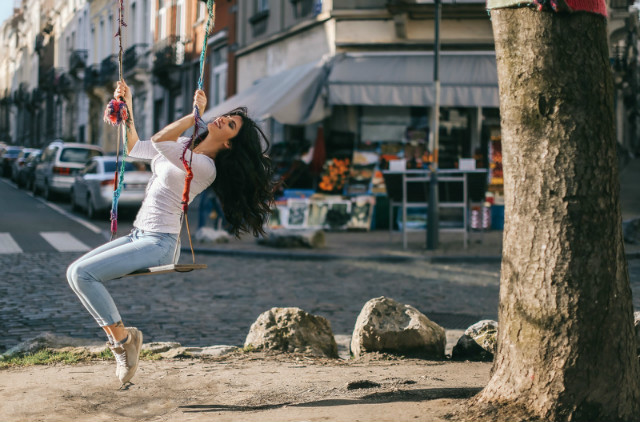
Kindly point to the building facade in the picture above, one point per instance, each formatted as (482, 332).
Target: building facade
(59, 65)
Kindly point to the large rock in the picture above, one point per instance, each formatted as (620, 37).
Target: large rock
(292, 330)
(479, 342)
(291, 238)
(385, 325)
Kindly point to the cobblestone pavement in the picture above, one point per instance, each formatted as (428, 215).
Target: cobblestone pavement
(218, 305)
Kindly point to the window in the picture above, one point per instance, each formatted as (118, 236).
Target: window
(101, 42)
(49, 154)
(162, 21)
(202, 11)
(180, 18)
(258, 20)
(110, 166)
(302, 8)
(77, 155)
(91, 168)
(134, 23)
(261, 5)
(219, 76)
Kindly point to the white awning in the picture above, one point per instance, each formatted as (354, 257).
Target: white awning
(291, 97)
(467, 79)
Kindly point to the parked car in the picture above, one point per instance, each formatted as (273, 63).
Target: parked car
(92, 188)
(58, 165)
(8, 157)
(26, 172)
(19, 162)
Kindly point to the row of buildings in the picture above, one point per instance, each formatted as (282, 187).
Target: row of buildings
(356, 72)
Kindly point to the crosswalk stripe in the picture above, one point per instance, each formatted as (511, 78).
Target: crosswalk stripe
(64, 242)
(8, 245)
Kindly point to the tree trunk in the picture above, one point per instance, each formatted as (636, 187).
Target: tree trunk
(566, 346)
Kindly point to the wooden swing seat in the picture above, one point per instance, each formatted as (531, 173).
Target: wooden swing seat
(171, 268)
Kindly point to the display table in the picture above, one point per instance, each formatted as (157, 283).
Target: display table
(409, 189)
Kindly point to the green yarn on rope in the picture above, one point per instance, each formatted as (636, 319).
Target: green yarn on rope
(207, 29)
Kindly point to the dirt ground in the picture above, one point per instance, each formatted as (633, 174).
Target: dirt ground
(244, 387)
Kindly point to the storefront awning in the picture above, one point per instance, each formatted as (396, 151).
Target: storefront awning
(467, 79)
(291, 97)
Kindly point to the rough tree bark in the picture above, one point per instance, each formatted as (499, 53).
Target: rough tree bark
(566, 346)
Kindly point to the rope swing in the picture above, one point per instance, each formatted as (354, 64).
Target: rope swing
(199, 125)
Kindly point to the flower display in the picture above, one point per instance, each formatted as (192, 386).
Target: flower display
(335, 175)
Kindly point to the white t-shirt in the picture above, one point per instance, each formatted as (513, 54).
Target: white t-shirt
(161, 209)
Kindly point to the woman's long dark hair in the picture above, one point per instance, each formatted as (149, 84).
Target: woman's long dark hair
(244, 175)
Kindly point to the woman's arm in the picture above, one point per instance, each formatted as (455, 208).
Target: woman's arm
(172, 131)
(175, 129)
(123, 91)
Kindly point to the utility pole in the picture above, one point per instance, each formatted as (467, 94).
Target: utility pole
(433, 220)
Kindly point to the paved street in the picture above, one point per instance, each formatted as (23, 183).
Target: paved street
(218, 305)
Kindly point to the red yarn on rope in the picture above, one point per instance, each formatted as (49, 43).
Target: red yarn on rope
(116, 112)
(187, 186)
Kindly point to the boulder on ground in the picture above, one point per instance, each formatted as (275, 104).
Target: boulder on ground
(292, 330)
(290, 238)
(160, 346)
(479, 342)
(387, 326)
(48, 340)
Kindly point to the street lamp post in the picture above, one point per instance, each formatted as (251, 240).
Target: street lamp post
(433, 220)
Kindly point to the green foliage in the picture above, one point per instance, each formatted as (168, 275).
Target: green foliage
(51, 357)
(43, 357)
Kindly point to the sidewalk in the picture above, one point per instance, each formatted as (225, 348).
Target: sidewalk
(378, 245)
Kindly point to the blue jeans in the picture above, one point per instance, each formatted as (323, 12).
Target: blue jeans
(115, 259)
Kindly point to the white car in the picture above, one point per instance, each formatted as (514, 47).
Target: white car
(59, 162)
(92, 188)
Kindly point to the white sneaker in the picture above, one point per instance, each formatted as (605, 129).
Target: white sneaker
(127, 355)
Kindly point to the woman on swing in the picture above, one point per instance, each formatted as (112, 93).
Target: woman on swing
(230, 155)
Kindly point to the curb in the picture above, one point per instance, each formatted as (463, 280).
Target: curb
(305, 256)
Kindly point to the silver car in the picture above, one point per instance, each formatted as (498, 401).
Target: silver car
(19, 162)
(92, 188)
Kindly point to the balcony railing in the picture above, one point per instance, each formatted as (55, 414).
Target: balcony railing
(78, 60)
(92, 76)
(136, 57)
(109, 70)
(168, 52)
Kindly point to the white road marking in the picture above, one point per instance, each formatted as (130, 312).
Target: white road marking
(70, 216)
(8, 245)
(54, 207)
(64, 242)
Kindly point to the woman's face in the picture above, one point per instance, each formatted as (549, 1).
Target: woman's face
(222, 129)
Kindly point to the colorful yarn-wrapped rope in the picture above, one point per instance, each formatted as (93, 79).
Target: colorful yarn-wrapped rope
(117, 114)
(199, 123)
